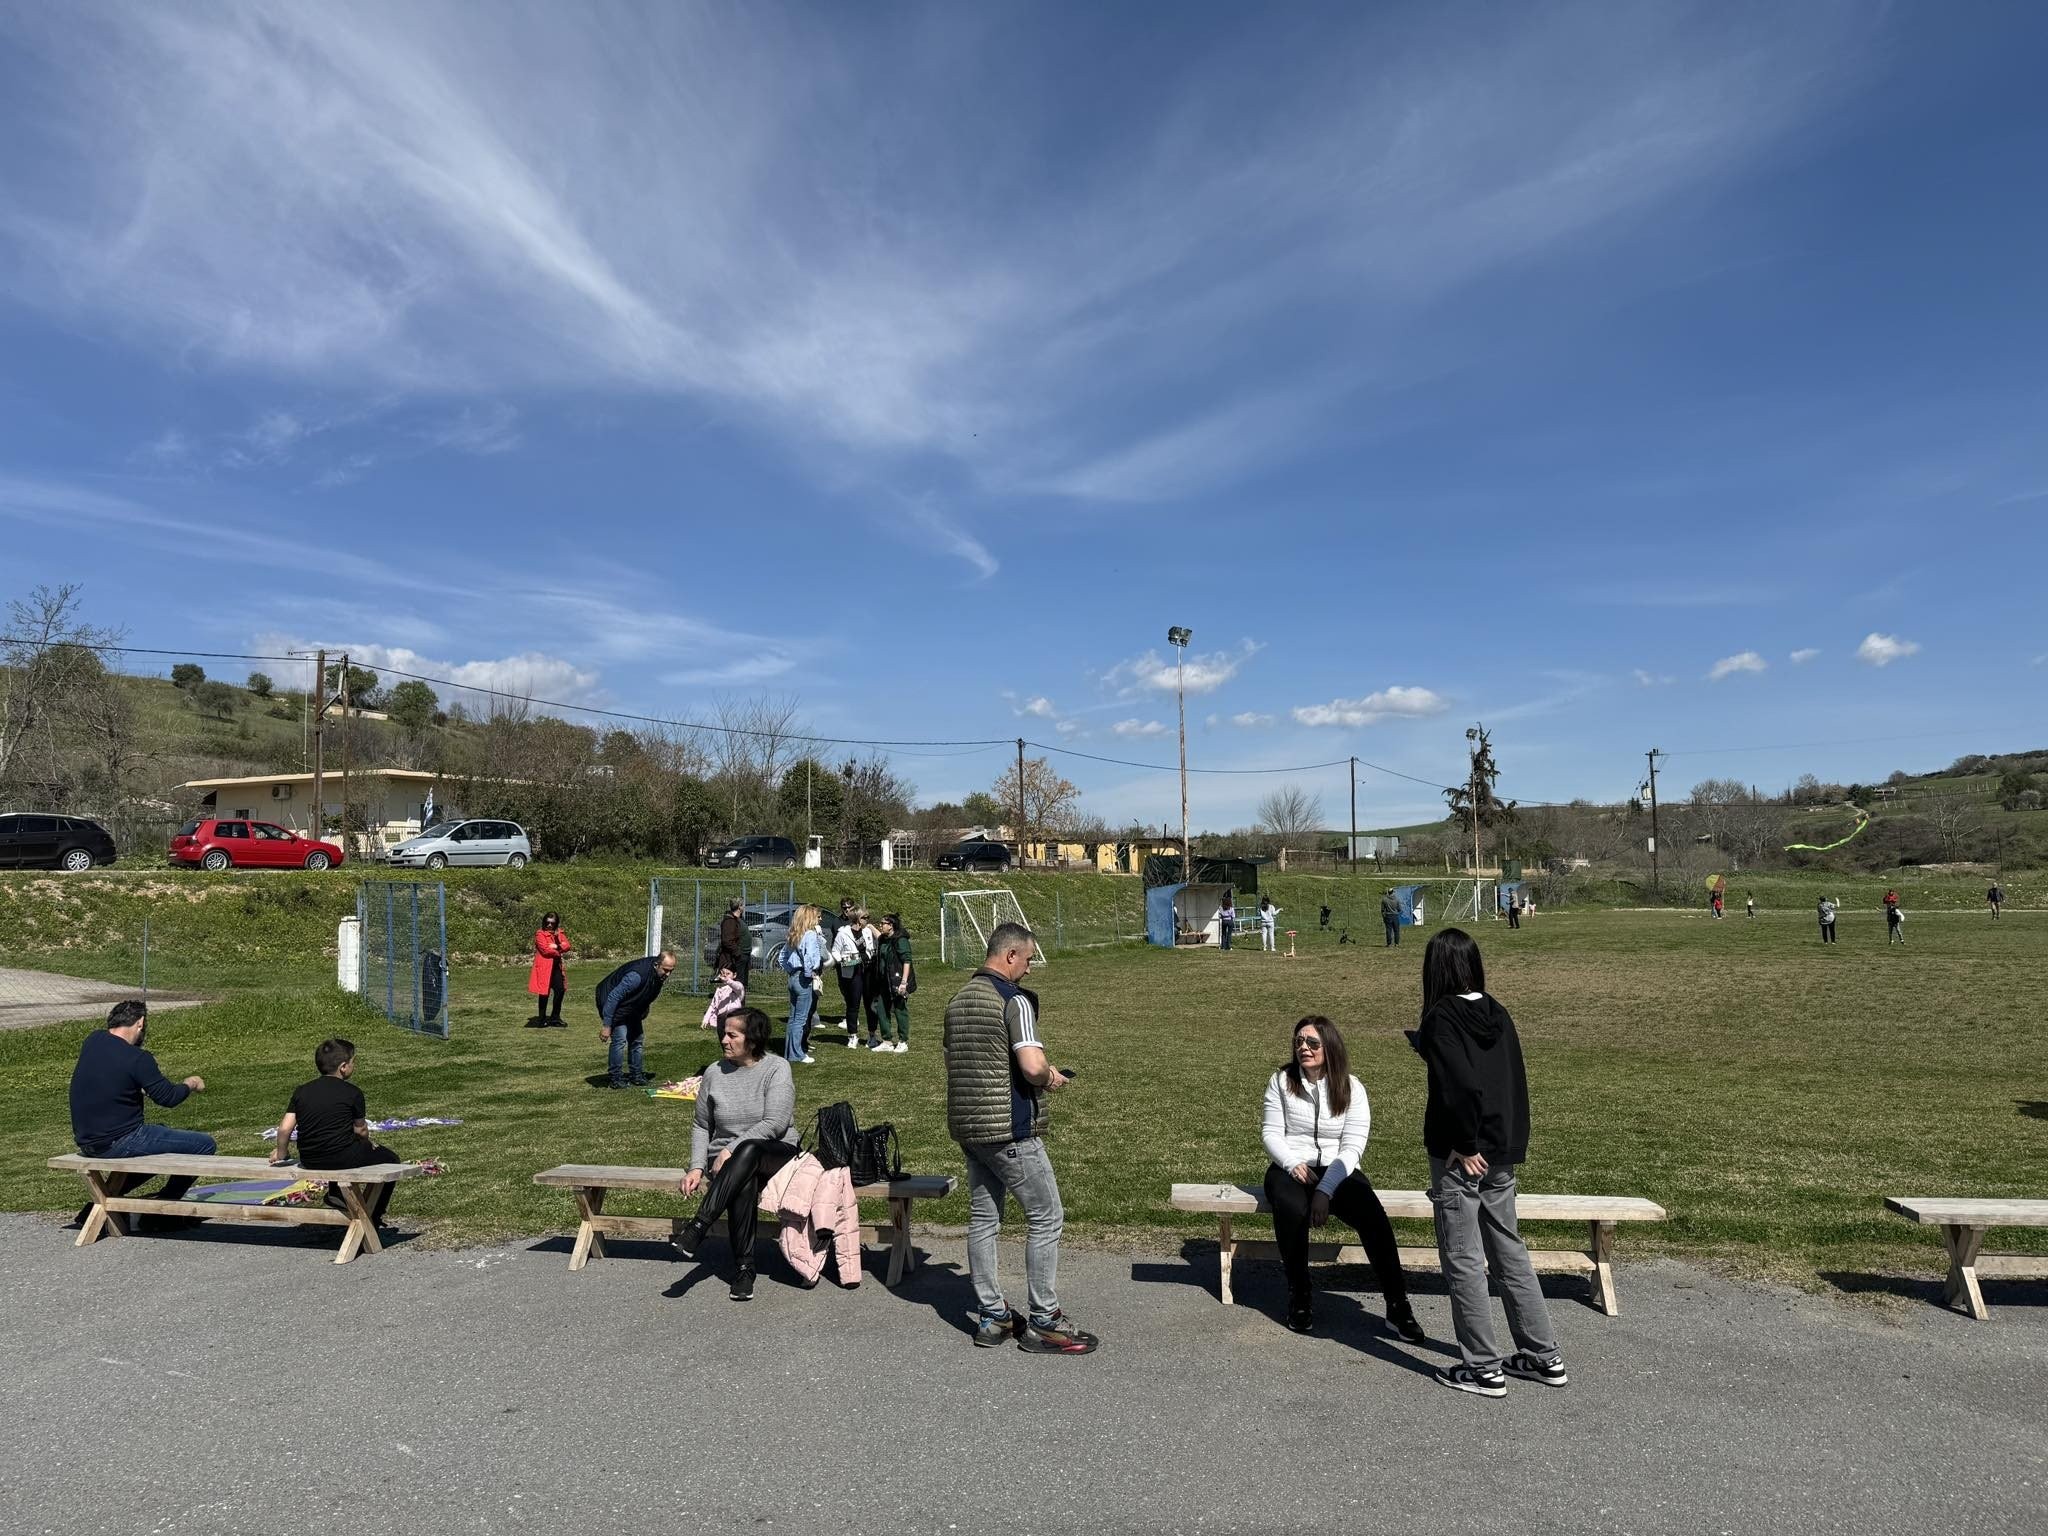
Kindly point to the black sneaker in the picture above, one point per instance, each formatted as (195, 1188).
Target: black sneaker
(1402, 1320)
(617, 1084)
(640, 1082)
(1462, 1378)
(1529, 1368)
(743, 1285)
(1301, 1314)
(1055, 1336)
(992, 1332)
(687, 1238)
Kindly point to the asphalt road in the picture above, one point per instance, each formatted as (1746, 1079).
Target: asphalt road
(29, 998)
(229, 1381)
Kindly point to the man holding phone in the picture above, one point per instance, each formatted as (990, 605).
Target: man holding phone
(997, 1076)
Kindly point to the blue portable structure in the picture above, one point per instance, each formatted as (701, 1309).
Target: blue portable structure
(1194, 909)
(1407, 894)
(1159, 914)
(1505, 892)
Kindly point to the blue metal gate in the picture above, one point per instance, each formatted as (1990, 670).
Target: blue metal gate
(404, 928)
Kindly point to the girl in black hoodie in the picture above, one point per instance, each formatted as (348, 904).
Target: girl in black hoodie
(1476, 1130)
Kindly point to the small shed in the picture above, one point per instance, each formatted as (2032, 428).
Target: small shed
(1184, 914)
(1238, 874)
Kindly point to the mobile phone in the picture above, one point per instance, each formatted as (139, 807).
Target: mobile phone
(1068, 1074)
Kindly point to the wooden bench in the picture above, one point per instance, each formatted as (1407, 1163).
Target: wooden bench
(590, 1183)
(1599, 1212)
(1963, 1224)
(355, 1184)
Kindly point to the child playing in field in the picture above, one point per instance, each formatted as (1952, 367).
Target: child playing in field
(1476, 1130)
(329, 1117)
(1894, 919)
(730, 993)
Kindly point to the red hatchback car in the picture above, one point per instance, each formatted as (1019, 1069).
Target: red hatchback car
(219, 844)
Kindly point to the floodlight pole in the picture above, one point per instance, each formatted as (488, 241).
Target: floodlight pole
(1354, 815)
(1178, 637)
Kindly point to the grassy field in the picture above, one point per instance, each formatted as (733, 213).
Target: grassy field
(1768, 1091)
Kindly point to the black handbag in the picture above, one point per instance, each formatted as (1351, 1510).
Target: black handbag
(876, 1158)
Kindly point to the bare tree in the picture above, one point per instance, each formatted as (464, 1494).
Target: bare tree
(48, 658)
(1955, 815)
(1290, 812)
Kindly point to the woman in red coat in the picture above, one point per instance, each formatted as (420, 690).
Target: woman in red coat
(551, 949)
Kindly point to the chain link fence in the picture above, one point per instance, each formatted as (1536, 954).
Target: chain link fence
(683, 915)
(402, 928)
(38, 986)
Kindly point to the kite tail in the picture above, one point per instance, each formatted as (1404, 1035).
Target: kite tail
(1862, 821)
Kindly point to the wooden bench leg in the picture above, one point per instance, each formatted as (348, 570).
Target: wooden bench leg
(1602, 1273)
(99, 1221)
(589, 1241)
(901, 1259)
(1226, 1252)
(1963, 1245)
(361, 1236)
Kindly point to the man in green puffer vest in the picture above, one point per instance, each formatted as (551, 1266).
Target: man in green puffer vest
(997, 1075)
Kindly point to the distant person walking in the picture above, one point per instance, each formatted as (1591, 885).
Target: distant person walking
(1226, 919)
(1514, 911)
(803, 957)
(1996, 898)
(1717, 906)
(1268, 916)
(1894, 919)
(548, 980)
(1749, 908)
(1390, 916)
(1476, 1131)
(997, 1076)
(1827, 919)
(624, 1000)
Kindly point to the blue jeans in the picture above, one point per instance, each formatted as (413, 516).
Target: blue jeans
(803, 1007)
(148, 1140)
(626, 1043)
(1022, 1170)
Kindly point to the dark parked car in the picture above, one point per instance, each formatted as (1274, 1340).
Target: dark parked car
(768, 935)
(753, 853)
(71, 843)
(977, 853)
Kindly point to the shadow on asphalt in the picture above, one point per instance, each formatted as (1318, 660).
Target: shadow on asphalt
(1997, 1292)
(945, 1288)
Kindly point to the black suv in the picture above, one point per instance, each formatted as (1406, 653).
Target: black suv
(977, 853)
(753, 853)
(69, 843)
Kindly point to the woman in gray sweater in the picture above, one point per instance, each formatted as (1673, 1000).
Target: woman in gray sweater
(744, 1132)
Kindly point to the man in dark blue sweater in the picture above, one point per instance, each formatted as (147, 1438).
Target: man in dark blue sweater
(623, 1001)
(113, 1074)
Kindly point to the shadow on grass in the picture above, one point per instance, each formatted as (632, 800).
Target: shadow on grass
(2033, 1109)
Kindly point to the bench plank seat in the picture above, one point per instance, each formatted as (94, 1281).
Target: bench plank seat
(104, 1218)
(590, 1183)
(1600, 1213)
(1964, 1222)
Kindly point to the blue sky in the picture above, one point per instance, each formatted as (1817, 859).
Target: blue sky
(1616, 376)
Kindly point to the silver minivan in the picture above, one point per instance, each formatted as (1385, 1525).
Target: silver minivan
(464, 843)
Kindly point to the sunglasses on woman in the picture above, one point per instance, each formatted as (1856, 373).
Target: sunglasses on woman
(1309, 1043)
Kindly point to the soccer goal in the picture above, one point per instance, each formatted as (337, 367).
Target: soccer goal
(967, 918)
(1467, 901)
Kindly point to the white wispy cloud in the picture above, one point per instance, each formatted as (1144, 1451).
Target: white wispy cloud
(1039, 706)
(1398, 702)
(1150, 672)
(1250, 720)
(1804, 654)
(754, 213)
(528, 675)
(1138, 728)
(1882, 650)
(1741, 661)
(1646, 679)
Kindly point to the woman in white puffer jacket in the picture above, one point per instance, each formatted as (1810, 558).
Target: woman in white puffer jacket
(1315, 1125)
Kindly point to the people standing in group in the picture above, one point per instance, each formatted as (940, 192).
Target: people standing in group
(1996, 899)
(803, 959)
(850, 963)
(1390, 916)
(330, 1120)
(871, 977)
(1894, 919)
(735, 945)
(1476, 1131)
(624, 999)
(728, 993)
(1827, 919)
(112, 1077)
(898, 979)
(997, 1076)
(548, 979)
(1226, 919)
(1314, 1123)
(743, 1132)
(1268, 916)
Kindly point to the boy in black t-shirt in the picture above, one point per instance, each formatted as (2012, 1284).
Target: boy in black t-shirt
(328, 1117)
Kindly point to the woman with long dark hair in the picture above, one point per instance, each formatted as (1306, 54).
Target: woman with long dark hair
(1476, 1129)
(1315, 1124)
(743, 1132)
(547, 979)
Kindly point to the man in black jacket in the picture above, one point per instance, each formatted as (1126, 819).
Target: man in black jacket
(113, 1075)
(623, 1001)
(735, 949)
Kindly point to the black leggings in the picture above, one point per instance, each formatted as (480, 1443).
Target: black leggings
(735, 1192)
(1353, 1203)
(850, 989)
(558, 984)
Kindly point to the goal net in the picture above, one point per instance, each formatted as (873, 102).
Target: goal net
(967, 918)
(1465, 901)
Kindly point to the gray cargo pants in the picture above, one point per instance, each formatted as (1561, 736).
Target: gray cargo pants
(1475, 1232)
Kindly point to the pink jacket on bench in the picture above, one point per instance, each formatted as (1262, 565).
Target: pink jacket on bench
(816, 1208)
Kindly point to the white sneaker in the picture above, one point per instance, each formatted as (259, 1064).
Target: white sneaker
(853, 1042)
(900, 1047)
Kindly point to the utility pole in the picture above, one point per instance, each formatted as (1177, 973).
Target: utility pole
(1178, 637)
(1473, 736)
(1354, 815)
(346, 736)
(807, 803)
(1654, 754)
(1020, 802)
(319, 696)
